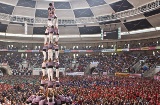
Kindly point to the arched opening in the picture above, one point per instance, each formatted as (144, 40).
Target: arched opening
(4, 71)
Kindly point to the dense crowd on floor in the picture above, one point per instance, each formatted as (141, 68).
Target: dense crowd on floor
(85, 90)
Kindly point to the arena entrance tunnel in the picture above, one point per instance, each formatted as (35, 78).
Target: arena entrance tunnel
(4, 71)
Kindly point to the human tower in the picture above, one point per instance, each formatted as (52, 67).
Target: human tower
(51, 47)
(49, 84)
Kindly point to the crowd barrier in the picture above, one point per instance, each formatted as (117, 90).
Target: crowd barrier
(88, 51)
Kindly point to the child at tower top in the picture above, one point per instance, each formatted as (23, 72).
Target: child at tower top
(51, 11)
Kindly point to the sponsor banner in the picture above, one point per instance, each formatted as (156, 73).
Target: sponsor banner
(128, 74)
(35, 50)
(122, 74)
(61, 51)
(145, 48)
(135, 75)
(67, 51)
(3, 49)
(74, 51)
(89, 50)
(158, 47)
(96, 50)
(134, 49)
(28, 50)
(123, 49)
(81, 50)
(75, 73)
(12, 50)
(108, 50)
(152, 48)
(21, 50)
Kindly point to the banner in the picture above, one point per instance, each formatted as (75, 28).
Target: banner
(3, 49)
(145, 48)
(123, 49)
(135, 75)
(96, 50)
(67, 51)
(122, 74)
(75, 73)
(36, 71)
(108, 50)
(89, 50)
(152, 48)
(134, 49)
(21, 50)
(74, 51)
(35, 50)
(158, 47)
(61, 51)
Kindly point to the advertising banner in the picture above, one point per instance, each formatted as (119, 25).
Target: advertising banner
(20, 50)
(35, 50)
(61, 51)
(122, 74)
(123, 49)
(74, 51)
(145, 48)
(75, 73)
(108, 50)
(158, 47)
(89, 50)
(3, 49)
(67, 51)
(96, 50)
(152, 48)
(135, 75)
(134, 49)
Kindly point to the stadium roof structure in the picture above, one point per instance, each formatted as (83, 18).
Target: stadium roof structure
(79, 19)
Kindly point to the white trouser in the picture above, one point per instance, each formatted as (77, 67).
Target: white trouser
(50, 54)
(57, 73)
(49, 23)
(45, 39)
(55, 22)
(51, 37)
(57, 38)
(44, 55)
(56, 54)
(43, 72)
(50, 74)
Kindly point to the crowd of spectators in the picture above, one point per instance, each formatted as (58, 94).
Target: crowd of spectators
(122, 62)
(100, 46)
(14, 90)
(87, 90)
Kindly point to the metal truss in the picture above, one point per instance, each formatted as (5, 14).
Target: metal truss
(124, 14)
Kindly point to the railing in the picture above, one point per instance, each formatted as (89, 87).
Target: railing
(124, 14)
